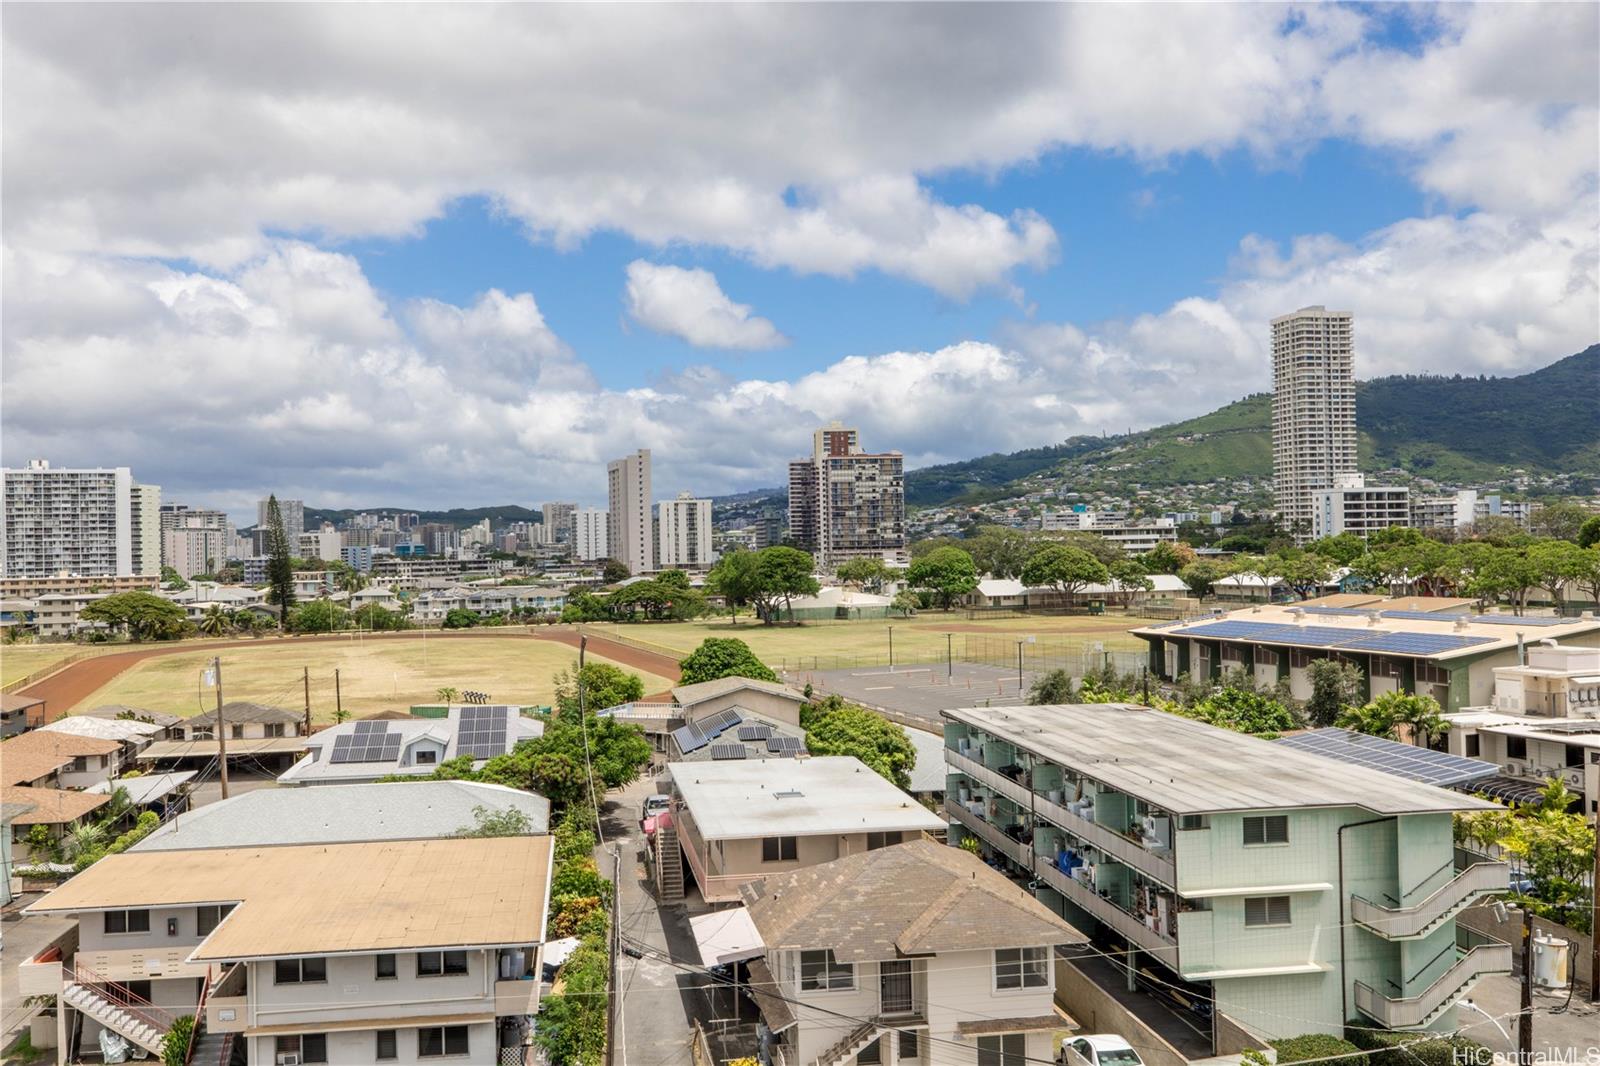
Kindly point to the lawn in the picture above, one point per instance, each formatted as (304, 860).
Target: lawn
(374, 675)
(20, 660)
(923, 638)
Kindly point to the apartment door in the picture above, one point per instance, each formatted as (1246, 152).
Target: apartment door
(894, 987)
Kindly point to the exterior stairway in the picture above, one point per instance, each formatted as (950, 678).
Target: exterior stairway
(669, 864)
(1421, 1010)
(1418, 920)
(850, 1044)
(120, 1012)
(211, 1049)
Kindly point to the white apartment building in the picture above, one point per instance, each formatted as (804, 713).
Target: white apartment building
(324, 544)
(557, 524)
(222, 933)
(1133, 536)
(630, 535)
(293, 513)
(1313, 409)
(845, 503)
(194, 547)
(1350, 505)
(684, 528)
(65, 520)
(1455, 511)
(589, 540)
(145, 520)
(912, 954)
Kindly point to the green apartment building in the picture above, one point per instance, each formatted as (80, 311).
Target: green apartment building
(1294, 892)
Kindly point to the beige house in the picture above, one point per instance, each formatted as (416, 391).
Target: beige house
(736, 821)
(223, 934)
(59, 810)
(727, 700)
(85, 760)
(917, 953)
(271, 736)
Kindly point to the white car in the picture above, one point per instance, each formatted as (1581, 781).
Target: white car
(654, 805)
(1104, 1049)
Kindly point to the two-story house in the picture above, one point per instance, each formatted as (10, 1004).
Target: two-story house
(84, 760)
(917, 953)
(735, 821)
(1291, 891)
(377, 951)
(374, 748)
(265, 735)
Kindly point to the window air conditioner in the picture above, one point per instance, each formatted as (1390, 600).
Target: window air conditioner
(289, 1059)
(1511, 767)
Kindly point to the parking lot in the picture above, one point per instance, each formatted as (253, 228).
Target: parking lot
(920, 690)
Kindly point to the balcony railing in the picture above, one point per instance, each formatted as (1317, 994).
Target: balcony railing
(1414, 1012)
(1125, 924)
(1403, 923)
(714, 888)
(1016, 850)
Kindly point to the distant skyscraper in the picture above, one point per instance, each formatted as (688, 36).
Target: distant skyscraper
(589, 535)
(558, 522)
(1313, 410)
(67, 521)
(629, 530)
(845, 503)
(294, 516)
(145, 519)
(684, 528)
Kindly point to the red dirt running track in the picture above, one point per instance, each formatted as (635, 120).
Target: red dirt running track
(78, 681)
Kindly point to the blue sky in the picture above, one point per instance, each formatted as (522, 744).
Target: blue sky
(446, 256)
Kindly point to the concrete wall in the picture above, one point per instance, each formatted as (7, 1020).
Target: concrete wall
(352, 992)
(1096, 1011)
(360, 1045)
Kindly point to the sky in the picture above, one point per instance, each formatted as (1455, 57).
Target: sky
(456, 255)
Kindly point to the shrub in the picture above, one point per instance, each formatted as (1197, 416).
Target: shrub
(579, 877)
(1414, 1049)
(718, 657)
(1315, 1046)
(175, 1044)
(570, 914)
(572, 1022)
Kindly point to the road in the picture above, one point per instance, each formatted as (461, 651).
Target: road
(77, 681)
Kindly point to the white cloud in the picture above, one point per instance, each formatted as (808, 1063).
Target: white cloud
(691, 305)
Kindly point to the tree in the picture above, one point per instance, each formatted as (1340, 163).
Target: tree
(1589, 579)
(906, 602)
(142, 615)
(1167, 557)
(1341, 550)
(1555, 844)
(613, 571)
(1305, 573)
(1501, 573)
(507, 822)
(447, 694)
(864, 573)
(948, 573)
(1385, 715)
(460, 618)
(834, 727)
(216, 622)
(171, 579)
(1001, 551)
(1335, 687)
(1200, 575)
(1563, 520)
(1558, 563)
(1065, 568)
(379, 619)
(722, 657)
(1589, 532)
(1244, 711)
(736, 577)
(785, 573)
(317, 616)
(1054, 686)
(604, 686)
(1130, 577)
(280, 563)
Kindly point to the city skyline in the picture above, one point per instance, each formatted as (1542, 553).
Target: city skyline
(361, 321)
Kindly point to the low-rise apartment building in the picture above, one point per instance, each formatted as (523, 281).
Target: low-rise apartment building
(1291, 891)
(736, 821)
(1350, 505)
(431, 608)
(911, 954)
(226, 934)
(30, 587)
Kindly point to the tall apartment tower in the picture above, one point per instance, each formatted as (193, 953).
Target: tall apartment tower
(629, 530)
(145, 518)
(845, 503)
(294, 516)
(67, 521)
(558, 519)
(684, 526)
(589, 540)
(1313, 410)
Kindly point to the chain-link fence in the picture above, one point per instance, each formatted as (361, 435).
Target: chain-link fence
(1038, 654)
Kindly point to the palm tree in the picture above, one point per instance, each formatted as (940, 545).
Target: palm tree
(117, 806)
(447, 694)
(83, 838)
(215, 622)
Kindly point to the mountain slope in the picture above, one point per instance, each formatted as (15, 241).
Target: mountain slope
(1452, 429)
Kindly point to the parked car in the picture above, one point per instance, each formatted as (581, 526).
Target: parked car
(654, 805)
(1102, 1049)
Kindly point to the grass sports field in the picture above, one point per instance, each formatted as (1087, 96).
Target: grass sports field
(20, 660)
(921, 638)
(374, 675)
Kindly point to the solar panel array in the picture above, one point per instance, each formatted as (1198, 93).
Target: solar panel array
(1518, 620)
(1424, 616)
(728, 751)
(780, 745)
(755, 732)
(367, 742)
(1389, 756)
(1341, 639)
(1334, 610)
(696, 735)
(1572, 727)
(481, 732)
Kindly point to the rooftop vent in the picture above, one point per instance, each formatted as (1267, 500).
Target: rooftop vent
(788, 793)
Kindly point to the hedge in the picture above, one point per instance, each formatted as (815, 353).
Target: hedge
(1316, 1046)
(1386, 1048)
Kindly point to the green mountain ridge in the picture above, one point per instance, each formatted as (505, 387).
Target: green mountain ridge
(1452, 429)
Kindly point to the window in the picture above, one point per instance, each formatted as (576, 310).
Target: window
(386, 968)
(1262, 829)
(208, 918)
(1266, 657)
(1516, 747)
(80, 764)
(871, 1055)
(1266, 910)
(1299, 660)
(1473, 745)
(202, 732)
(1232, 653)
(427, 757)
(1008, 1050)
(300, 971)
(1021, 968)
(1429, 674)
(311, 1047)
(127, 922)
(821, 972)
(1193, 821)
(1382, 667)
(779, 849)
(438, 1040)
(441, 963)
(388, 1046)
(909, 1048)
(882, 840)
(275, 729)
(236, 732)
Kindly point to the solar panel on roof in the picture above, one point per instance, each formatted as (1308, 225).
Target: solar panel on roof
(1517, 620)
(1333, 610)
(1273, 633)
(715, 725)
(782, 744)
(481, 731)
(1389, 756)
(1414, 643)
(1423, 616)
(755, 732)
(728, 751)
(689, 738)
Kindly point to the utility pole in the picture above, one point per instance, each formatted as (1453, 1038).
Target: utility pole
(1594, 922)
(949, 655)
(891, 647)
(222, 727)
(1525, 1016)
(308, 700)
(1019, 668)
(614, 949)
(338, 700)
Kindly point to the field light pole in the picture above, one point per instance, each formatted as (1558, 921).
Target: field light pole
(1019, 666)
(891, 647)
(949, 655)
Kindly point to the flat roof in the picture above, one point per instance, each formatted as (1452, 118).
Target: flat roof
(1399, 629)
(150, 787)
(824, 796)
(405, 810)
(405, 895)
(1189, 767)
(237, 747)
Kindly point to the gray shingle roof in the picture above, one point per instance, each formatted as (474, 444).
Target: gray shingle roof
(910, 899)
(240, 711)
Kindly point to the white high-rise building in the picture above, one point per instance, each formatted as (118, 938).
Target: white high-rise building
(589, 534)
(145, 519)
(1353, 506)
(1455, 511)
(67, 521)
(195, 544)
(630, 534)
(845, 503)
(557, 522)
(294, 517)
(1313, 410)
(684, 525)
